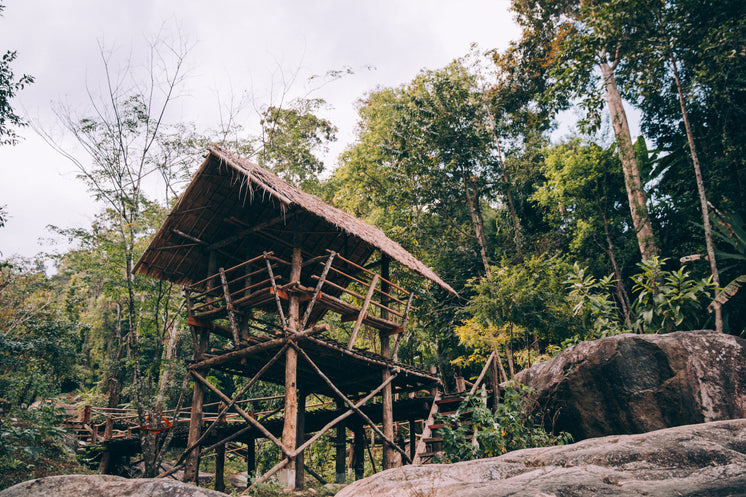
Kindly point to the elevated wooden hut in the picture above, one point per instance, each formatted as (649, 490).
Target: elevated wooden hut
(263, 264)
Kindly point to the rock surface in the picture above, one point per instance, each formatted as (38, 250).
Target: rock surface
(638, 383)
(697, 460)
(105, 486)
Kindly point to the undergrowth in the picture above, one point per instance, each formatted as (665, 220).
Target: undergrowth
(475, 432)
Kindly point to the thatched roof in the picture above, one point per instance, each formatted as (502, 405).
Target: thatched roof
(238, 209)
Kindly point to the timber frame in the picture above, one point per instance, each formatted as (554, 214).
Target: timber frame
(263, 265)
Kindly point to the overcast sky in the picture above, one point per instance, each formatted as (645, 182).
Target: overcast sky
(239, 47)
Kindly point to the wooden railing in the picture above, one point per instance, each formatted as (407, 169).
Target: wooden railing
(340, 285)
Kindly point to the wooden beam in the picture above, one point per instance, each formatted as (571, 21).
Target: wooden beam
(349, 402)
(290, 422)
(229, 308)
(227, 241)
(191, 470)
(242, 413)
(322, 279)
(345, 415)
(220, 468)
(340, 446)
(387, 398)
(246, 351)
(363, 310)
(483, 373)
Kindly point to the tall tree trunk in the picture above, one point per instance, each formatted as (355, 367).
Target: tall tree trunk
(632, 180)
(472, 198)
(621, 291)
(702, 194)
(508, 191)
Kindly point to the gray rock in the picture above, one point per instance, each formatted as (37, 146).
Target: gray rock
(105, 486)
(638, 383)
(697, 460)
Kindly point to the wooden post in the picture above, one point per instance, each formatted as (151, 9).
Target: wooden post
(359, 450)
(191, 468)
(250, 459)
(341, 448)
(388, 459)
(300, 437)
(287, 474)
(106, 456)
(495, 382)
(220, 468)
(412, 437)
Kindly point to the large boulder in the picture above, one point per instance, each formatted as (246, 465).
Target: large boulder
(640, 383)
(105, 486)
(696, 460)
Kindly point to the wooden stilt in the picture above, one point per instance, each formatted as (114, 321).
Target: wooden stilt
(412, 437)
(388, 459)
(290, 427)
(220, 468)
(340, 446)
(250, 459)
(495, 381)
(359, 450)
(300, 438)
(191, 471)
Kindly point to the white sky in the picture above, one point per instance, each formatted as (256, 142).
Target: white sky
(238, 47)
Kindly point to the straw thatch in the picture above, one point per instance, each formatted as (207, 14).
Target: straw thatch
(236, 210)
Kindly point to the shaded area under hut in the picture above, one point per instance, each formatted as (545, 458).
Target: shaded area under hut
(263, 265)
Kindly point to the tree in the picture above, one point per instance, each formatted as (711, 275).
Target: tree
(9, 86)
(566, 43)
(127, 142)
(585, 191)
(290, 138)
(673, 76)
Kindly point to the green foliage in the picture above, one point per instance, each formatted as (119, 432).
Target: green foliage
(32, 446)
(525, 301)
(488, 434)
(585, 198)
(669, 300)
(591, 299)
(9, 86)
(38, 342)
(664, 301)
(291, 139)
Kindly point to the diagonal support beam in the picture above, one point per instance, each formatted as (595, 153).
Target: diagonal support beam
(229, 307)
(350, 403)
(243, 413)
(271, 273)
(345, 415)
(482, 374)
(230, 404)
(316, 290)
(363, 310)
